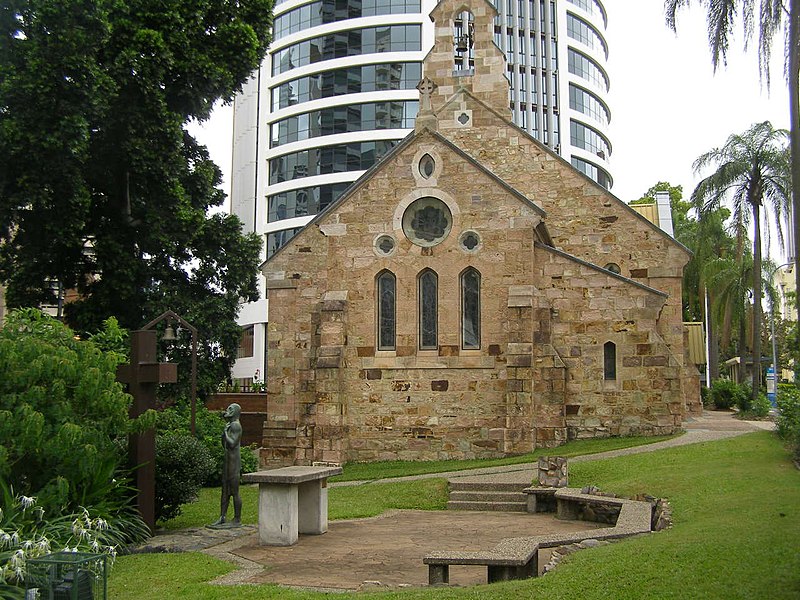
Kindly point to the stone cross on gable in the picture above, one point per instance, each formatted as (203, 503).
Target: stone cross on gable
(426, 87)
(143, 375)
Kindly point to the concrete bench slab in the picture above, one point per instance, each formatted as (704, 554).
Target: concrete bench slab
(512, 558)
(291, 500)
(517, 558)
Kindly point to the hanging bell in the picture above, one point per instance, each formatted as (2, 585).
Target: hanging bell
(169, 334)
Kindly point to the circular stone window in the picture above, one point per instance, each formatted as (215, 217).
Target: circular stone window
(385, 245)
(469, 241)
(427, 222)
(613, 267)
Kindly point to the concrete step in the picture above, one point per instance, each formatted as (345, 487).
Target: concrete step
(488, 506)
(481, 496)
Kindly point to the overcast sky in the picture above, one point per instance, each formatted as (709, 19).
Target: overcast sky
(667, 104)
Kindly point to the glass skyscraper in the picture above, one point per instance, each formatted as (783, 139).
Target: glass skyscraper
(338, 90)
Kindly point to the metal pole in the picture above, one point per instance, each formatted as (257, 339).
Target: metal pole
(772, 327)
(708, 342)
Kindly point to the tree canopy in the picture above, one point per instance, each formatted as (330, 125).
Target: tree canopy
(101, 187)
(766, 18)
(752, 171)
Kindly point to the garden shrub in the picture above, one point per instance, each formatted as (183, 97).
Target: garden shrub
(705, 396)
(761, 407)
(63, 429)
(725, 394)
(788, 421)
(182, 463)
(208, 427)
(63, 416)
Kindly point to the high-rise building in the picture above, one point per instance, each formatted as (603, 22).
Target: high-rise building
(338, 90)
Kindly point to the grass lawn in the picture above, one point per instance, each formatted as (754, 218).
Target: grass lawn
(736, 507)
(206, 509)
(403, 468)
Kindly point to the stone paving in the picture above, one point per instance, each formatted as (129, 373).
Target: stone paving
(387, 551)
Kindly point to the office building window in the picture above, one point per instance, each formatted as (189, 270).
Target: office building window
(246, 342)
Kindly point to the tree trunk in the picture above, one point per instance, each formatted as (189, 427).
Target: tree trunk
(794, 133)
(756, 333)
(742, 344)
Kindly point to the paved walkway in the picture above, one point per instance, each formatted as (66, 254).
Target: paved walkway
(387, 551)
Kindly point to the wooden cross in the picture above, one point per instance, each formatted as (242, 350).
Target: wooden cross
(143, 375)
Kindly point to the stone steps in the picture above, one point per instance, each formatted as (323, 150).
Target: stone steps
(481, 495)
(488, 506)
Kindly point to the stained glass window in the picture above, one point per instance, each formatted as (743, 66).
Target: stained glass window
(471, 309)
(428, 310)
(609, 360)
(387, 285)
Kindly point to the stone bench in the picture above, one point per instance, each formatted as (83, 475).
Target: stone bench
(517, 558)
(512, 558)
(291, 500)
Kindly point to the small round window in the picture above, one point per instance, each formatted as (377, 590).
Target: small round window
(427, 221)
(385, 245)
(470, 241)
(427, 166)
(613, 267)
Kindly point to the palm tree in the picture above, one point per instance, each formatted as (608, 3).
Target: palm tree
(730, 280)
(750, 168)
(773, 16)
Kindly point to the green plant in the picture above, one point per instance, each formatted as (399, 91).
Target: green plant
(789, 417)
(208, 428)
(725, 394)
(182, 462)
(27, 532)
(63, 416)
(705, 396)
(761, 407)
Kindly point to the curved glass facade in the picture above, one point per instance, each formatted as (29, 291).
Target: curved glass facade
(588, 104)
(353, 42)
(324, 11)
(589, 139)
(592, 171)
(303, 202)
(581, 31)
(584, 67)
(340, 158)
(593, 7)
(352, 80)
(348, 118)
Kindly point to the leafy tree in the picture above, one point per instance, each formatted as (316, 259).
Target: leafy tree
(751, 168)
(773, 16)
(101, 187)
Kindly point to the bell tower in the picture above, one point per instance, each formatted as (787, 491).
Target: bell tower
(465, 56)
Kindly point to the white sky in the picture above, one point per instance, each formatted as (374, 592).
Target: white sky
(667, 105)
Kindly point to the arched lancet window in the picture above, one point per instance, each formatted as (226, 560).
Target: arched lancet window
(463, 41)
(386, 285)
(470, 309)
(428, 292)
(609, 361)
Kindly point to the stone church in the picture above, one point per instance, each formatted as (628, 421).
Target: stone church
(472, 295)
